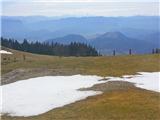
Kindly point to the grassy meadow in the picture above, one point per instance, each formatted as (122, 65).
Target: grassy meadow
(102, 66)
(129, 103)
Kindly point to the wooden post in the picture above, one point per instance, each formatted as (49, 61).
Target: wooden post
(130, 51)
(114, 52)
(157, 51)
(153, 52)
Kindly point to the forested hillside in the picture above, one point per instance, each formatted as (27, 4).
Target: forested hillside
(72, 49)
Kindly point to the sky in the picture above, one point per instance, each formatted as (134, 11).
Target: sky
(79, 7)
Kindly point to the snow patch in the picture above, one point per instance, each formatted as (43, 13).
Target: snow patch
(38, 95)
(145, 80)
(4, 52)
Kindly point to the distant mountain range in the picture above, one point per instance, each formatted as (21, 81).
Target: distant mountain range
(110, 41)
(117, 41)
(141, 33)
(42, 28)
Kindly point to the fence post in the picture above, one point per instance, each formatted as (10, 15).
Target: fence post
(130, 51)
(153, 52)
(157, 51)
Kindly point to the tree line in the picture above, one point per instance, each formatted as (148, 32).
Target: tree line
(56, 49)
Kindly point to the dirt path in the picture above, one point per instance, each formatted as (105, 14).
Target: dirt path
(22, 74)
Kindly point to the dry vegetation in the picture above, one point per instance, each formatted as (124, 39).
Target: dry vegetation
(118, 102)
(130, 104)
(103, 66)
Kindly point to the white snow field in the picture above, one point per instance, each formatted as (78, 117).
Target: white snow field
(39, 95)
(145, 80)
(4, 52)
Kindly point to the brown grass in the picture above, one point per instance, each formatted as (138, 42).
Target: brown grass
(131, 104)
(117, 104)
(103, 66)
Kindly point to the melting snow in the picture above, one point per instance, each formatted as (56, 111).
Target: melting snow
(145, 80)
(39, 95)
(4, 52)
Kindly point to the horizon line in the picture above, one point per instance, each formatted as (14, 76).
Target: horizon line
(79, 16)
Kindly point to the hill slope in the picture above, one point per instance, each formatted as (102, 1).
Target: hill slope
(113, 104)
(84, 65)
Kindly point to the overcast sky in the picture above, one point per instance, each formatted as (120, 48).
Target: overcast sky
(79, 7)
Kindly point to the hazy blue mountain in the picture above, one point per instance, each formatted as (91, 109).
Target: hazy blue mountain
(30, 19)
(140, 33)
(94, 25)
(43, 28)
(68, 39)
(152, 38)
(12, 28)
(110, 41)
